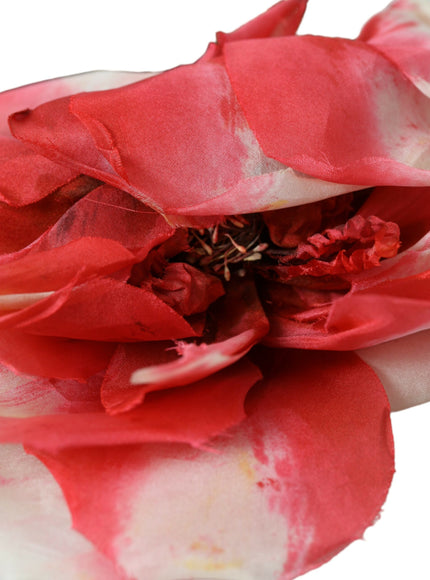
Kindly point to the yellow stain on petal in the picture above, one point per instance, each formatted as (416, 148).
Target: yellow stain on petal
(210, 565)
(246, 468)
(278, 204)
(202, 546)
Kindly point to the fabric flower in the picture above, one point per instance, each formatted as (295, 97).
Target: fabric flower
(201, 270)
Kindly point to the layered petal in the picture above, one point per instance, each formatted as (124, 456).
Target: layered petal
(185, 174)
(402, 33)
(304, 475)
(348, 116)
(191, 415)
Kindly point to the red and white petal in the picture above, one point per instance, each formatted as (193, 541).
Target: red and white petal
(402, 33)
(30, 96)
(403, 365)
(348, 116)
(218, 169)
(293, 484)
(37, 538)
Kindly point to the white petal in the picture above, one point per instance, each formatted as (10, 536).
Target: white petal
(403, 365)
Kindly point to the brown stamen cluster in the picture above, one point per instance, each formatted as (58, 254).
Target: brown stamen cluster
(228, 245)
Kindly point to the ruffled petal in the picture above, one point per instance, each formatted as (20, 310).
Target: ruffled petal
(403, 366)
(304, 475)
(37, 537)
(402, 33)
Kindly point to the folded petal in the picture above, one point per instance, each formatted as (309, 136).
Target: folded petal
(282, 19)
(402, 33)
(22, 225)
(240, 323)
(26, 176)
(109, 310)
(348, 115)
(403, 366)
(304, 475)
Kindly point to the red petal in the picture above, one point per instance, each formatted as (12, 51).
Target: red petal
(191, 415)
(26, 176)
(124, 137)
(382, 309)
(53, 269)
(348, 116)
(187, 289)
(22, 225)
(111, 214)
(407, 207)
(282, 19)
(108, 309)
(46, 356)
(305, 474)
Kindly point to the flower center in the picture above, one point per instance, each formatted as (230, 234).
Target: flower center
(228, 246)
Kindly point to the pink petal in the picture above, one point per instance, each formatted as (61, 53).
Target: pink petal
(403, 365)
(38, 540)
(304, 475)
(402, 33)
(348, 115)
(191, 415)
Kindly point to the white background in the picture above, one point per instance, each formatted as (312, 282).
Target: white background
(47, 38)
